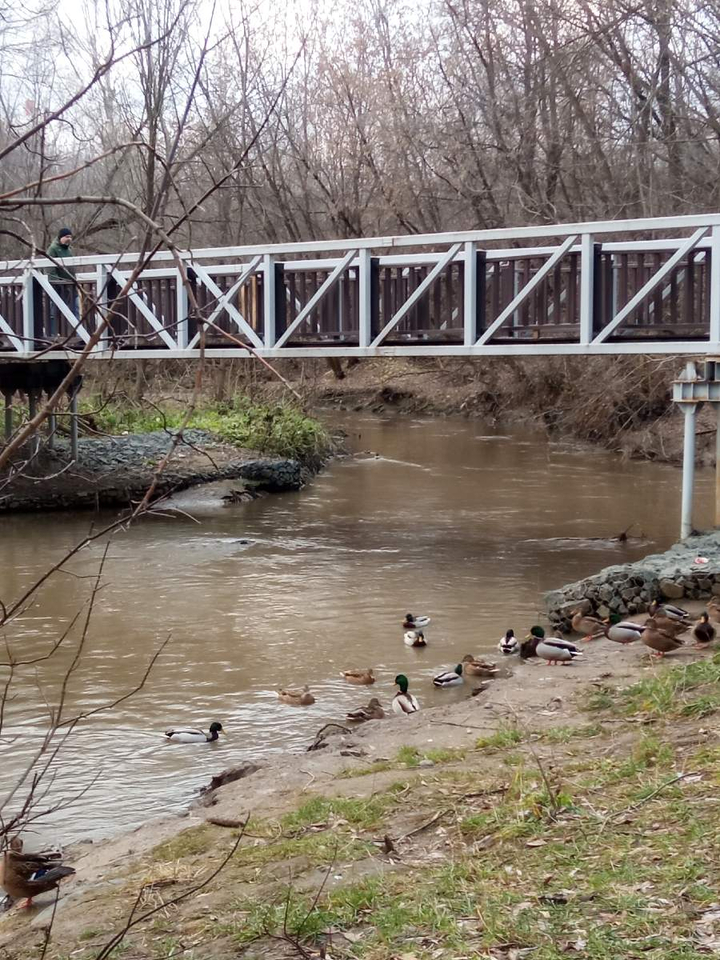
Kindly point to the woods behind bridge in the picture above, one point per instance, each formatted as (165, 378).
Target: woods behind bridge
(355, 119)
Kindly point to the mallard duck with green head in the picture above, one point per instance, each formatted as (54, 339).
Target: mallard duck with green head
(403, 701)
(194, 734)
(450, 678)
(553, 649)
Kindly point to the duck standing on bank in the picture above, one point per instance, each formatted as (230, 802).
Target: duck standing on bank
(669, 624)
(713, 609)
(622, 631)
(194, 735)
(658, 640)
(590, 627)
(552, 649)
(669, 610)
(404, 702)
(509, 644)
(704, 631)
(28, 875)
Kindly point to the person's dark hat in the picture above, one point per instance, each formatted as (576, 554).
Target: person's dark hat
(64, 232)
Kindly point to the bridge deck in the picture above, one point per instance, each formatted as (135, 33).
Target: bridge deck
(619, 287)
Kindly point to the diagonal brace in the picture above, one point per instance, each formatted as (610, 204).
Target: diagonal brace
(229, 308)
(654, 280)
(224, 301)
(64, 308)
(318, 295)
(135, 297)
(446, 258)
(11, 335)
(526, 290)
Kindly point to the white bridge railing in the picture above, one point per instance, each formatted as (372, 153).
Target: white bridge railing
(632, 286)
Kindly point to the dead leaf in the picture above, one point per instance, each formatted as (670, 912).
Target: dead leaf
(536, 843)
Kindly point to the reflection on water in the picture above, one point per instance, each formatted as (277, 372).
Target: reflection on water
(449, 519)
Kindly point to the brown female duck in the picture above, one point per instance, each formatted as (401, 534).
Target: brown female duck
(660, 641)
(30, 874)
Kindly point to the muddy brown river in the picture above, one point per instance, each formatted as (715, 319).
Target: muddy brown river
(450, 519)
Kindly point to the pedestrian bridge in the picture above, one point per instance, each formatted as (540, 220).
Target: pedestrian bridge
(648, 286)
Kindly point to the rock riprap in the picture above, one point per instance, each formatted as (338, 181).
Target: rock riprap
(113, 471)
(630, 588)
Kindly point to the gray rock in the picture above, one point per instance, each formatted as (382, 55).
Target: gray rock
(671, 590)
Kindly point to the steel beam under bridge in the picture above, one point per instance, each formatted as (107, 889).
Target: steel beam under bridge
(601, 288)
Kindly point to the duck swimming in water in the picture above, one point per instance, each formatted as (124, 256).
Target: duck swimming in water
(193, 735)
(509, 643)
(450, 678)
(415, 623)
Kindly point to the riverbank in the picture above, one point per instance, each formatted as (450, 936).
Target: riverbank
(270, 447)
(560, 812)
(115, 471)
(621, 403)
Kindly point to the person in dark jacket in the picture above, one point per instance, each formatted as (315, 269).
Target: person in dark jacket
(62, 278)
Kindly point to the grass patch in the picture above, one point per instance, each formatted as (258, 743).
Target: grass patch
(364, 812)
(189, 843)
(564, 734)
(667, 693)
(505, 736)
(280, 429)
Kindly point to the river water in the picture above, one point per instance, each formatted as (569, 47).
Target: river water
(450, 519)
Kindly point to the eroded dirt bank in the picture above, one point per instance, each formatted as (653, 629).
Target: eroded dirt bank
(114, 471)
(622, 403)
(561, 812)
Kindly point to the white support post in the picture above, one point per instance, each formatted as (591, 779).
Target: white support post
(470, 295)
(28, 312)
(102, 276)
(364, 297)
(715, 285)
(688, 473)
(717, 464)
(269, 305)
(587, 283)
(182, 308)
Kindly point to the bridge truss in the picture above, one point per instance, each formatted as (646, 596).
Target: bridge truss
(648, 286)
